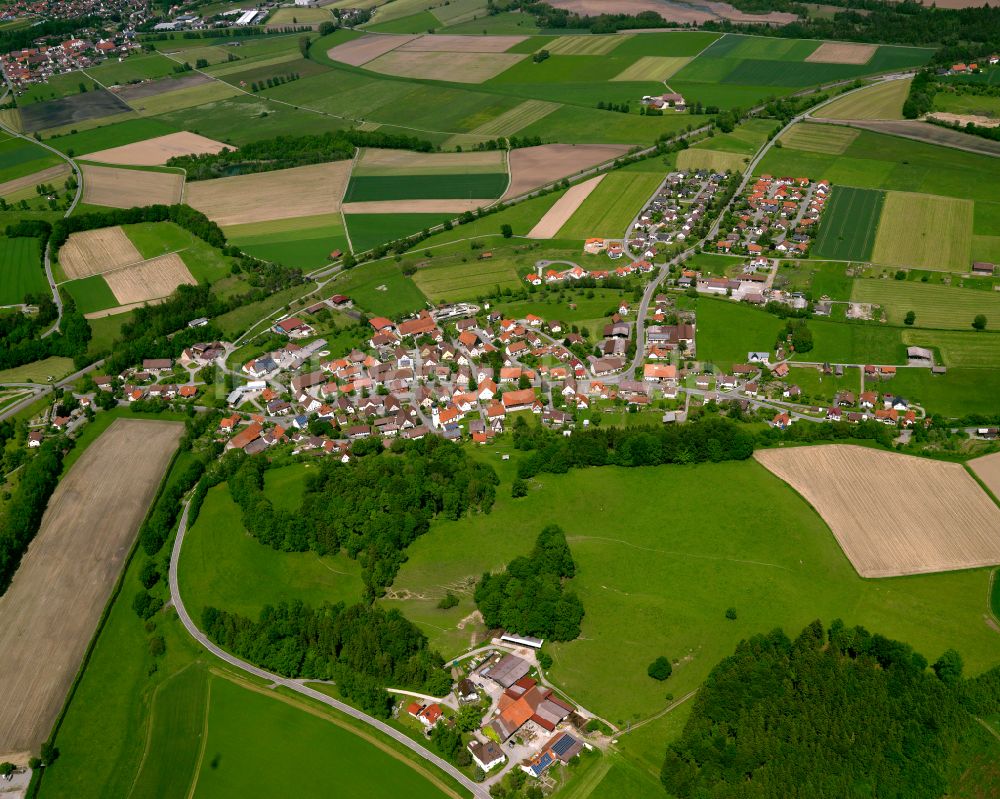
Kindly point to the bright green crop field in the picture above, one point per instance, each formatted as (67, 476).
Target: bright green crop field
(20, 270)
(611, 206)
(850, 223)
(248, 728)
(426, 187)
(935, 305)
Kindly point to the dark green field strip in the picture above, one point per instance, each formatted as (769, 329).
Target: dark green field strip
(20, 270)
(849, 224)
(426, 187)
(91, 294)
(252, 74)
(370, 230)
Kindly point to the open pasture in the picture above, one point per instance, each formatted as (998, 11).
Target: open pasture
(936, 306)
(893, 514)
(961, 349)
(653, 68)
(134, 68)
(282, 194)
(532, 167)
(925, 232)
(987, 469)
(740, 538)
(879, 101)
(460, 67)
(370, 230)
(850, 223)
(92, 252)
(20, 159)
(200, 94)
(610, 208)
(149, 280)
(828, 139)
(157, 151)
(91, 295)
(462, 44)
(509, 122)
(127, 188)
(60, 589)
(247, 725)
(20, 270)
(374, 161)
(842, 53)
(959, 392)
(565, 207)
(305, 242)
(451, 282)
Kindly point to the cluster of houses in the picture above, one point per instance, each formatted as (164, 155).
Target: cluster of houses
(662, 102)
(677, 208)
(144, 383)
(777, 215)
(33, 65)
(967, 69)
(542, 276)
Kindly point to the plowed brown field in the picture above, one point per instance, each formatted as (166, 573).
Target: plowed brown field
(893, 514)
(48, 615)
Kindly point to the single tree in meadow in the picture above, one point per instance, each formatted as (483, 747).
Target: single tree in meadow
(910, 318)
(979, 323)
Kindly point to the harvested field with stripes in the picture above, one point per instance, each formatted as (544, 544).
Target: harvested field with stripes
(48, 615)
(531, 167)
(881, 101)
(149, 280)
(941, 307)
(375, 161)
(93, 252)
(987, 469)
(127, 188)
(827, 139)
(893, 514)
(510, 122)
(716, 160)
(282, 194)
(360, 51)
(464, 281)
(462, 44)
(924, 231)
(54, 175)
(654, 68)
(585, 45)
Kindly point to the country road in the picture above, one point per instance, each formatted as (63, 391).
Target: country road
(297, 685)
(43, 389)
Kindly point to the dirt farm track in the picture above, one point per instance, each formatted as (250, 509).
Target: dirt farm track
(893, 514)
(50, 611)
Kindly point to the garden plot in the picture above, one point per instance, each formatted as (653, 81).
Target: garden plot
(282, 194)
(93, 252)
(149, 280)
(157, 151)
(894, 514)
(128, 188)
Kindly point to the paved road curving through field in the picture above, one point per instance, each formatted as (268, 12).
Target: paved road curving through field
(298, 686)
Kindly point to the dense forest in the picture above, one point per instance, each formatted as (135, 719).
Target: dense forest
(842, 714)
(24, 512)
(373, 507)
(529, 596)
(283, 152)
(707, 439)
(363, 648)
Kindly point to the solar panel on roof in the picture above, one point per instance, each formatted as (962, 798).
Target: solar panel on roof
(563, 745)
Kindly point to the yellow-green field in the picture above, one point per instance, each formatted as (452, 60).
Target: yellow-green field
(584, 45)
(244, 64)
(652, 67)
(925, 231)
(465, 281)
(611, 206)
(957, 348)
(299, 16)
(185, 98)
(697, 158)
(881, 101)
(38, 371)
(935, 305)
(527, 113)
(828, 139)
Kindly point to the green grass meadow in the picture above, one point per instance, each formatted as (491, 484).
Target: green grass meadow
(91, 294)
(248, 729)
(850, 223)
(20, 270)
(370, 230)
(959, 392)
(381, 288)
(935, 306)
(611, 206)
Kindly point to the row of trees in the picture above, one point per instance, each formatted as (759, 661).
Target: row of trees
(284, 152)
(195, 222)
(373, 507)
(839, 714)
(708, 439)
(363, 648)
(529, 596)
(38, 479)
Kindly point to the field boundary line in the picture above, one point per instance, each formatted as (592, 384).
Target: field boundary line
(112, 598)
(660, 714)
(204, 738)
